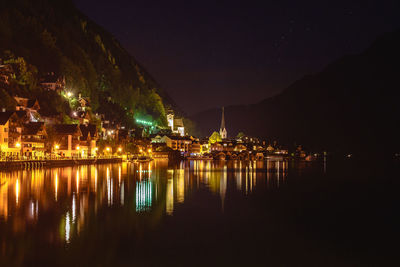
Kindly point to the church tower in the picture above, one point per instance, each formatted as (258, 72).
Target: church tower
(222, 130)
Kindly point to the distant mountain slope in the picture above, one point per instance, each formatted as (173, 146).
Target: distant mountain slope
(56, 37)
(352, 105)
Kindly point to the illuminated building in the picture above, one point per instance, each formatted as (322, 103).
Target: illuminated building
(10, 134)
(33, 139)
(222, 130)
(175, 124)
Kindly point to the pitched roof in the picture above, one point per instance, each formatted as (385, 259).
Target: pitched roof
(87, 130)
(32, 128)
(67, 129)
(31, 103)
(5, 116)
(178, 122)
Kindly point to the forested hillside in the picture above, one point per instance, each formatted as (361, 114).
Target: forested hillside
(45, 36)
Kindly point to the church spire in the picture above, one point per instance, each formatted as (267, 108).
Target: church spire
(222, 130)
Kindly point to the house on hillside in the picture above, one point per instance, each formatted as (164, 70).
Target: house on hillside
(175, 124)
(6, 72)
(30, 106)
(53, 82)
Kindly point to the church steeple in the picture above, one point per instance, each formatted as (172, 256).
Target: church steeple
(222, 130)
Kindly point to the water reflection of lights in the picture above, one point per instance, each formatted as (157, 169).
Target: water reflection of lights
(170, 197)
(122, 197)
(97, 188)
(109, 188)
(67, 228)
(17, 191)
(223, 184)
(144, 195)
(180, 186)
(73, 208)
(77, 181)
(56, 186)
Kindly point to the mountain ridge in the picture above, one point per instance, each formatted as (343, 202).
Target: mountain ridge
(351, 98)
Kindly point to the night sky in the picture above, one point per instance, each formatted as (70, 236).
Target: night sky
(207, 54)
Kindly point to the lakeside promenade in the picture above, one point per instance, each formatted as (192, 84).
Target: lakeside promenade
(50, 163)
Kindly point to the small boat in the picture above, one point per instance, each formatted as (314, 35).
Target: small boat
(140, 159)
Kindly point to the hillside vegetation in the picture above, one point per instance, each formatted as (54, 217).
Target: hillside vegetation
(45, 36)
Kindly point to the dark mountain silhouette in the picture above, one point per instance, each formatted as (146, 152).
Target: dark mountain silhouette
(350, 106)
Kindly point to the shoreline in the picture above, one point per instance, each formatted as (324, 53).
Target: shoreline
(39, 164)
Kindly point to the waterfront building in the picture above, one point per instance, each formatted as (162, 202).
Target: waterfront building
(88, 140)
(67, 139)
(33, 140)
(222, 131)
(10, 134)
(180, 143)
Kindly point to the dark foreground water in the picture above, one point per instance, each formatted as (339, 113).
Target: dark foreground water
(201, 214)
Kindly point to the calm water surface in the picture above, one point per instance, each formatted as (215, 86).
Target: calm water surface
(200, 213)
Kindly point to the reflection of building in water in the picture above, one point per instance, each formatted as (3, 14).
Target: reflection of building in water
(71, 198)
(144, 195)
(180, 192)
(222, 186)
(170, 196)
(3, 197)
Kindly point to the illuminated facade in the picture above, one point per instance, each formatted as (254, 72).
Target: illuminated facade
(222, 130)
(175, 124)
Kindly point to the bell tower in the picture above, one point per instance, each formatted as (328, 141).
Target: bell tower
(222, 130)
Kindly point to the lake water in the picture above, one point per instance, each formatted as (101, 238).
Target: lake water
(201, 213)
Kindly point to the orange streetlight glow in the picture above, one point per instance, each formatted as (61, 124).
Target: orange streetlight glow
(77, 148)
(18, 144)
(57, 147)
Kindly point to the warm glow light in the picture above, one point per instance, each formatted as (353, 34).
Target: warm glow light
(108, 149)
(77, 148)
(119, 149)
(56, 186)
(69, 94)
(57, 147)
(149, 150)
(17, 191)
(18, 144)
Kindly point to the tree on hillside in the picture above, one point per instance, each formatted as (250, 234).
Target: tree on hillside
(240, 135)
(214, 138)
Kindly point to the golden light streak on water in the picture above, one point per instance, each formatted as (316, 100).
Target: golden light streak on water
(56, 186)
(170, 197)
(17, 192)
